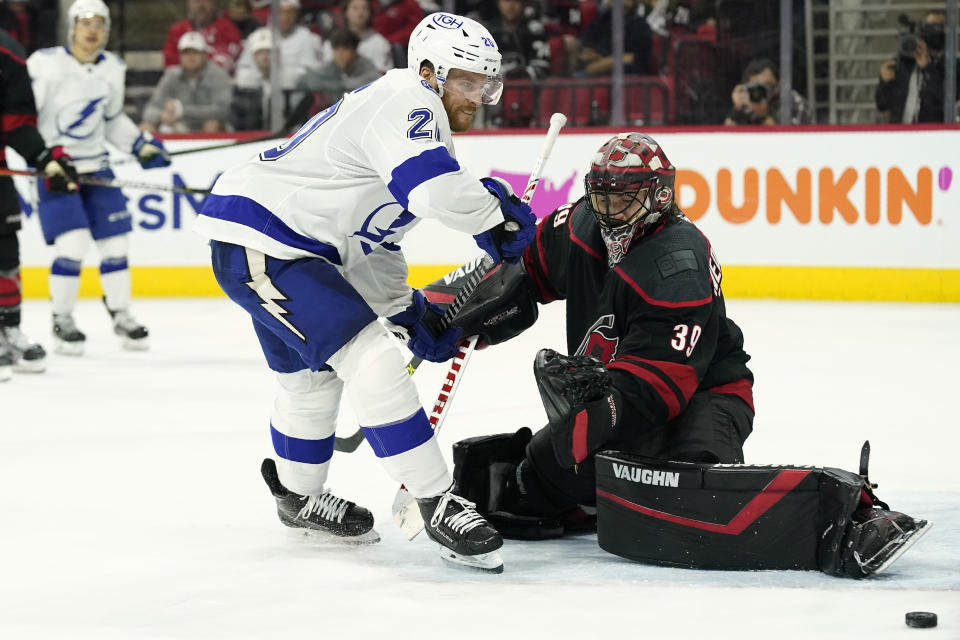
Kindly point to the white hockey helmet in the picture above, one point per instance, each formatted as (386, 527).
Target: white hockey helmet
(86, 9)
(449, 42)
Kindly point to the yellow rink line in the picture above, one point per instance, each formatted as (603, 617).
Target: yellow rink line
(798, 283)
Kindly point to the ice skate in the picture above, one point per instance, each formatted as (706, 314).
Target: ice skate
(465, 538)
(325, 514)
(135, 335)
(6, 362)
(878, 537)
(28, 356)
(68, 339)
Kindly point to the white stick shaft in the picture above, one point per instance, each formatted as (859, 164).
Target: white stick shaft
(557, 121)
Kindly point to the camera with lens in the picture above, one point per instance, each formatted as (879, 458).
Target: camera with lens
(910, 33)
(757, 92)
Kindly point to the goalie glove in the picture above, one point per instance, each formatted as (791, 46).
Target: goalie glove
(581, 404)
(60, 175)
(428, 340)
(150, 152)
(498, 242)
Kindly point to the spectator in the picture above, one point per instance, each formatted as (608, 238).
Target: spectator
(192, 96)
(523, 42)
(301, 50)
(757, 99)
(250, 107)
(240, 13)
(596, 54)
(223, 37)
(911, 87)
(395, 21)
(357, 17)
(346, 71)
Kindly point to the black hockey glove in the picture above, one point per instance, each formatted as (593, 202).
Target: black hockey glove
(57, 167)
(428, 339)
(501, 244)
(580, 401)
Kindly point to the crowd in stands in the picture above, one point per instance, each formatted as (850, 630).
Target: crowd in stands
(218, 69)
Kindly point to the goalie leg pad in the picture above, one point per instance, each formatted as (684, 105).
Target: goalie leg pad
(745, 517)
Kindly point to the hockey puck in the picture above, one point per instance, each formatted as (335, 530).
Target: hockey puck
(921, 619)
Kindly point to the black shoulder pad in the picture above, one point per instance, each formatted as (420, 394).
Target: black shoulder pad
(672, 265)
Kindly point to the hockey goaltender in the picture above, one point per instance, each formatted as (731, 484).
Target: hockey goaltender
(648, 416)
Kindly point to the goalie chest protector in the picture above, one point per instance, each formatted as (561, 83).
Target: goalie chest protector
(725, 516)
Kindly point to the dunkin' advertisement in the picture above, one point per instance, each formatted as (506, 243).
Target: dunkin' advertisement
(823, 214)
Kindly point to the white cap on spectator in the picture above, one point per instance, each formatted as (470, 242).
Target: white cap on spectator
(192, 40)
(261, 39)
(290, 3)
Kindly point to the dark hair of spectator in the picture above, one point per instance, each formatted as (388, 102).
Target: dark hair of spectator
(757, 66)
(344, 39)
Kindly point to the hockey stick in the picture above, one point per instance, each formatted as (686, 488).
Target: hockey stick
(406, 512)
(111, 183)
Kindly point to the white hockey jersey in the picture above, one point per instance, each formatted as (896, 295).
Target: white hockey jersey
(80, 106)
(350, 184)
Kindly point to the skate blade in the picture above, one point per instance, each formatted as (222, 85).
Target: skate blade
(325, 537)
(68, 348)
(30, 366)
(908, 542)
(136, 345)
(406, 513)
(486, 562)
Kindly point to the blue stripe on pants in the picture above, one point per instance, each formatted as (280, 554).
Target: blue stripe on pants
(392, 439)
(300, 449)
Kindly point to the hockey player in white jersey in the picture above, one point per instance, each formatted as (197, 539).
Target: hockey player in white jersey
(305, 237)
(79, 93)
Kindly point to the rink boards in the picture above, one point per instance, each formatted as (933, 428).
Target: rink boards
(819, 213)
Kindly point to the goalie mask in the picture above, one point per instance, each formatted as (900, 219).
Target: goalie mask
(629, 185)
(448, 42)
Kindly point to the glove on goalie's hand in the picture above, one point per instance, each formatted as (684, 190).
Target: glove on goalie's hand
(57, 167)
(580, 401)
(503, 245)
(428, 341)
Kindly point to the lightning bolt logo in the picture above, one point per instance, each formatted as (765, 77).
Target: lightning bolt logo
(85, 113)
(261, 284)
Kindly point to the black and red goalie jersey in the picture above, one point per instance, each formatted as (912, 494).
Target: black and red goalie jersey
(656, 319)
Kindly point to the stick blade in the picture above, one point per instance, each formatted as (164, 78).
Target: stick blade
(406, 513)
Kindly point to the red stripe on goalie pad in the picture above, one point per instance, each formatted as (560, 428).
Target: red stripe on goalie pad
(771, 494)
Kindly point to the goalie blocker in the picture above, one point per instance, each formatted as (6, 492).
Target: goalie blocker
(501, 307)
(739, 516)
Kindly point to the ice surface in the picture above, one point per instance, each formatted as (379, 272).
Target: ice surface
(132, 505)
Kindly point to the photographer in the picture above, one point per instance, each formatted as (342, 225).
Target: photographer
(911, 87)
(757, 99)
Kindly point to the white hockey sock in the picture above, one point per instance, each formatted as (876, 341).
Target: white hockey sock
(386, 402)
(303, 422)
(114, 272)
(70, 248)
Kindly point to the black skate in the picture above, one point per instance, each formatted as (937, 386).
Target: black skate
(465, 538)
(518, 515)
(877, 538)
(28, 356)
(133, 333)
(324, 514)
(68, 339)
